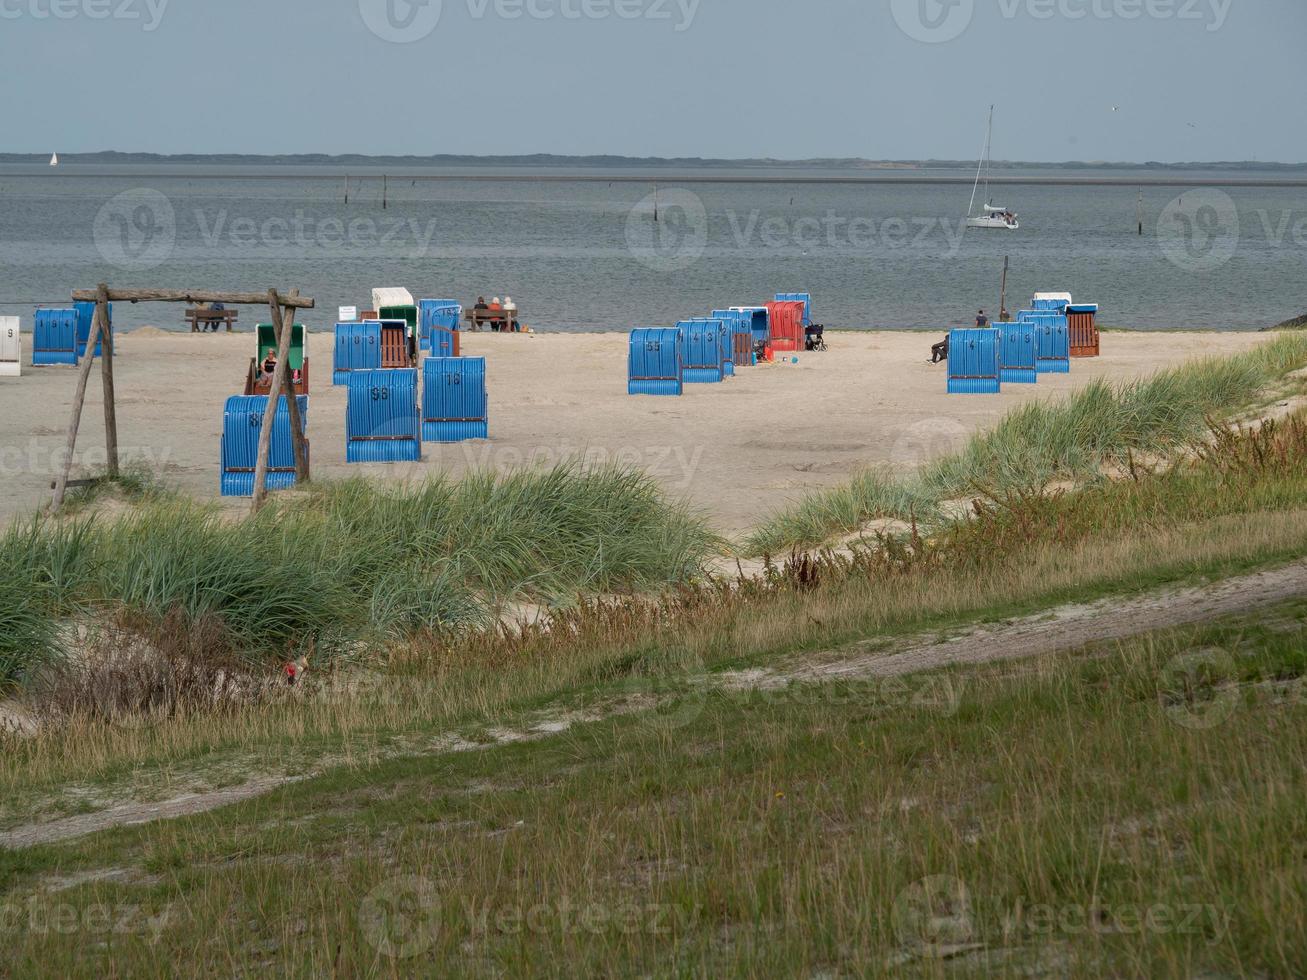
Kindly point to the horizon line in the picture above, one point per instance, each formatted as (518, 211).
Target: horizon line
(38, 157)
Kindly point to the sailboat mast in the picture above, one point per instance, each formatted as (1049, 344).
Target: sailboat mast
(980, 167)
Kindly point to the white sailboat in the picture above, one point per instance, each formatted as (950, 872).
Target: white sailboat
(993, 215)
(54, 159)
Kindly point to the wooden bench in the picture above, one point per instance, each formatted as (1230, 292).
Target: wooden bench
(476, 318)
(198, 317)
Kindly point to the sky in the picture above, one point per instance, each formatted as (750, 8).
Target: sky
(1114, 80)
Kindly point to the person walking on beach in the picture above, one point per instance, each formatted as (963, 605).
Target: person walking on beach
(982, 321)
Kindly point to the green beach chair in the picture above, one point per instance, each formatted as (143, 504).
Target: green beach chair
(297, 360)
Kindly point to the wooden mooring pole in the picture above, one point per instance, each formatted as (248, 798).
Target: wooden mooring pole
(1002, 295)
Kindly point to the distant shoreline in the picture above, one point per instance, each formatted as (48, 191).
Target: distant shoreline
(1149, 179)
(617, 162)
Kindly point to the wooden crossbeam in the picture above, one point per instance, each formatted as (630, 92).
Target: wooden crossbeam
(190, 296)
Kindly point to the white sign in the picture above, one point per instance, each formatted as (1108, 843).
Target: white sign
(11, 347)
(348, 314)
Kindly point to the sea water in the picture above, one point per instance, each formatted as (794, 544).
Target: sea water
(580, 250)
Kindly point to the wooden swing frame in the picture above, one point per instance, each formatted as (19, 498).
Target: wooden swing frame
(283, 310)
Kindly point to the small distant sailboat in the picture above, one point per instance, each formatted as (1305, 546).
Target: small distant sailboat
(54, 159)
(993, 216)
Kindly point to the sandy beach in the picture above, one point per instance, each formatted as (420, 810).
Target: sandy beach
(736, 450)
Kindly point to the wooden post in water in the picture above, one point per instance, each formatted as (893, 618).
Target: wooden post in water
(1002, 296)
(102, 332)
(385, 185)
(1139, 211)
(347, 189)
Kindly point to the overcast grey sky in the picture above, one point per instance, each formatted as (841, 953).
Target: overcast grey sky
(1193, 79)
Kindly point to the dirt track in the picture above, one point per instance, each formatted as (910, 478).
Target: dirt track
(1060, 629)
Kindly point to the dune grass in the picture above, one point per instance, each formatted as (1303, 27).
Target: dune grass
(1241, 507)
(351, 563)
(1044, 442)
(45, 571)
(1131, 809)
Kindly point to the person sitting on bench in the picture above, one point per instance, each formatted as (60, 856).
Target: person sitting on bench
(939, 352)
(269, 366)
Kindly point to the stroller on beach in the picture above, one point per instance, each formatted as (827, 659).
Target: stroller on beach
(814, 337)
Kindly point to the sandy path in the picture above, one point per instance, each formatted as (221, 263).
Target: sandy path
(1064, 628)
(736, 450)
(1061, 629)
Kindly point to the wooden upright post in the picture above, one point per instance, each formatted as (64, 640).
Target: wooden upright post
(270, 416)
(287, 324)
(105, 335)
(79, 399)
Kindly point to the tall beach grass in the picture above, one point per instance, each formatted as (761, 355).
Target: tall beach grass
(1043, 442)
(342, 564)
